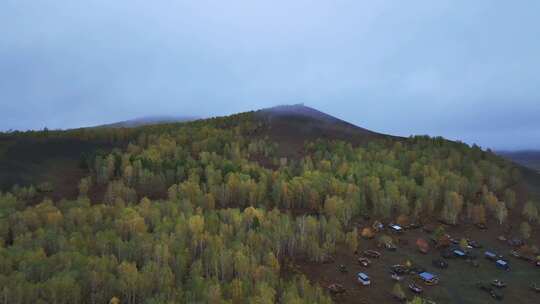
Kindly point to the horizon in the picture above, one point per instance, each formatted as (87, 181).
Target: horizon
(464, 71)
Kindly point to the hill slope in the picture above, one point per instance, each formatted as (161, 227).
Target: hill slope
(292, 125)
(30, 158)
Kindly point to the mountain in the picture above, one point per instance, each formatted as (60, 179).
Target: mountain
(526, 158)
(147, 120)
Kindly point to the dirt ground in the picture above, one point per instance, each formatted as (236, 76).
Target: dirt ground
(457, 282)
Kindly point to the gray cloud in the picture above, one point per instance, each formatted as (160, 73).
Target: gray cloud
(461, 69)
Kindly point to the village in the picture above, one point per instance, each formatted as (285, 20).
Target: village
(437, 262)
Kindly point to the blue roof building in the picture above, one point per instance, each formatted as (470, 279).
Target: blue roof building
(426, 276)
(429, 278)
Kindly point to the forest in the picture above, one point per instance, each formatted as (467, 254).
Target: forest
(213, 211)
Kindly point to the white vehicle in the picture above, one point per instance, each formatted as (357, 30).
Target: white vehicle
(363, 279)
(396, 228)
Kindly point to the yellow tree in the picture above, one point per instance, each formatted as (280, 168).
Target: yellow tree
(128, 276)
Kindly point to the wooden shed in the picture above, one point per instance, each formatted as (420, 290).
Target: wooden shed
(422, 245)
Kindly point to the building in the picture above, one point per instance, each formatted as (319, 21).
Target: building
(429, 278)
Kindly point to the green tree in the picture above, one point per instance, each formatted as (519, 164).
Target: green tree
(525, 230)
(351, 238)
(397, 291)
(129, 279)
(509, 198)
(530, 211)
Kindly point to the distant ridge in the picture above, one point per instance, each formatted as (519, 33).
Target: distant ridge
(526, 158)
(148, 120)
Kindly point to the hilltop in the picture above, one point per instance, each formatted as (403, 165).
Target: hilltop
(293, 125)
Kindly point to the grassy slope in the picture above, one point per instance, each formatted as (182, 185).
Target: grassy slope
(292, 126)
(26, 161)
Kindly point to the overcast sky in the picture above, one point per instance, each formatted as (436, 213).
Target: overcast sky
(465, 70)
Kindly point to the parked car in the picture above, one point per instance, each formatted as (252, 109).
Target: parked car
(399, 269)
(390, 247)
(535, 287)
(459, 253)
(474, 244)
(372, 254)
(395, 228)
(415, 288)
(502, 264)
(492, 256)
(363, 279)
(342, 268)
(364, 261)
(498, 283)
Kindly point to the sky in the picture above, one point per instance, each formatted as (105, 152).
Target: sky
(465, 70)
